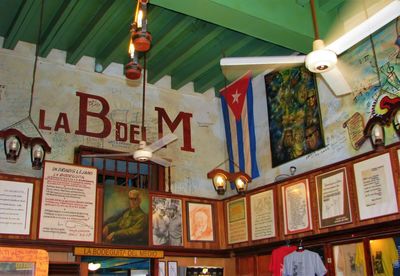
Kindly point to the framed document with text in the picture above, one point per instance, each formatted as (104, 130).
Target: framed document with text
(68, 205)
(262, 215)
(15, 207)
(296, 207)
(333, 198)
(376, 192)
(237, 221)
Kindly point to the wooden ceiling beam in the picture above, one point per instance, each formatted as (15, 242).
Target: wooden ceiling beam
(29, 10)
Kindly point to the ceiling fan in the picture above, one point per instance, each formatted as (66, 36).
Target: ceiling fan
(323, 59)
(144, 152)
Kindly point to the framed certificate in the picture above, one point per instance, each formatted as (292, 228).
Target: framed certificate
(237, 221)
(333, 198)
(296, 207)
(376, 192)
(262, 215)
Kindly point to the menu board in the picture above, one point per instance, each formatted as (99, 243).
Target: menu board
(68, 202)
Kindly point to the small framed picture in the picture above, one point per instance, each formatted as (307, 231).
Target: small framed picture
(172, 268)
(161, 268)
(200, 218)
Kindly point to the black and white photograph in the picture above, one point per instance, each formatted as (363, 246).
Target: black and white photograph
(167, 221)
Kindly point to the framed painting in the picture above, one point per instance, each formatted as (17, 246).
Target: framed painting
(125, 209)
(167, 221)
(296, 207)
(375, 187)
(293, 114)
(333, 198)
(200, 221)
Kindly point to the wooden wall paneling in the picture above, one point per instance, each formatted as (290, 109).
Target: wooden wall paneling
(262, 266)
(246, 266)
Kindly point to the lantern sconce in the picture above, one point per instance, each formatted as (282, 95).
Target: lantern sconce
(220, 178)
(14, 140)
(376, 132)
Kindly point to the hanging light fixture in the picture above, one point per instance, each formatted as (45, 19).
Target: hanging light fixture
(133, 70)
(220, 178)
(140, 37)
(14, 139)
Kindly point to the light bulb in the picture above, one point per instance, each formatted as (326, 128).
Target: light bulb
(131, 49)
(14, 144)
(140, 19)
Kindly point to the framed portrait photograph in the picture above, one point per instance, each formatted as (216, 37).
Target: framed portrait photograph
(200, 221)
(296, 207)
(167, 221)
(237, 221)
(172, 268)
(333, 198)
(376, 193)
(262, 215)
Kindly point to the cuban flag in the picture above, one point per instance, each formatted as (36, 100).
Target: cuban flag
(237, 109)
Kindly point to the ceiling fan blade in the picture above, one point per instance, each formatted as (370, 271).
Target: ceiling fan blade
(366, 28)
(272, 61)
(234, 67)
(336, 81)
(167, 139)
(161, 161)
(107, 155)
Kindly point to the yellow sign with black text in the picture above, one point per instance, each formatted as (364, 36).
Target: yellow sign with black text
(117, 252)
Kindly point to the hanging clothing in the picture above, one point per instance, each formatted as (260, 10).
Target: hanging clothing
(303, 263)
(384, 255)
(351, 259)
(396, 266)
(276, 263)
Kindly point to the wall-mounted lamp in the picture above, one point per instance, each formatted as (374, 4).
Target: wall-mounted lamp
(375, 132)
(221, 177)
(140, 37)
(375, 128)
(14, 140)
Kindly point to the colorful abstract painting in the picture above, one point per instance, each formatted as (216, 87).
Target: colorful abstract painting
(293, 114)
